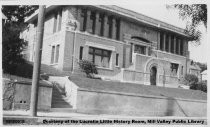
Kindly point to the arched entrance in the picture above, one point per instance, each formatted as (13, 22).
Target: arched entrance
(153, 75)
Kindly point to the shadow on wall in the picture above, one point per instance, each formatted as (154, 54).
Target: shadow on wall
(172, 106)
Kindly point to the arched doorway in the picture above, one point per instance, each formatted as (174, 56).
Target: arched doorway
(153, 75)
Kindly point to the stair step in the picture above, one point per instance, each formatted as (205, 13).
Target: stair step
(59, 96)
(58, 93)
(61, 106)
(60, 101)
(63, 110)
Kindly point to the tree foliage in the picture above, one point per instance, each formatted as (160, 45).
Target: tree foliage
(197, 13)
(203, 66)
(192, 81)
(12, 45)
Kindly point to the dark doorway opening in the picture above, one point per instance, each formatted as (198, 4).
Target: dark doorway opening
(153, 75)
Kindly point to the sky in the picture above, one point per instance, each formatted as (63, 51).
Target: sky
(171, 16)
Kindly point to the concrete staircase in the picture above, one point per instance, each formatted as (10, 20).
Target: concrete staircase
(60, 101)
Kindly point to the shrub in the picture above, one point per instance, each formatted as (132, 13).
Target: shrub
(190, 79)
(200, 86)
(88, 67)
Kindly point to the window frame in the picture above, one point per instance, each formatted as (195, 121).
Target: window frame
(102, 55)
(55, 54)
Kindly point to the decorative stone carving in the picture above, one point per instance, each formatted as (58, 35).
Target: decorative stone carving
(71, 24)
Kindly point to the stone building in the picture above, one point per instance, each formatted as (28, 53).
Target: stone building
(125, 45)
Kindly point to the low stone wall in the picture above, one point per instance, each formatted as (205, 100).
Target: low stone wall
(104, 102)
(21, 96)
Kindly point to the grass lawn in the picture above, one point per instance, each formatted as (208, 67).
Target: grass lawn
(97, 84)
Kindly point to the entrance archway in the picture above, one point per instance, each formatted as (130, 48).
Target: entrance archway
(153, 75)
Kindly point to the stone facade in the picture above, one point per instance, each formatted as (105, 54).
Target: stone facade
(126, 46)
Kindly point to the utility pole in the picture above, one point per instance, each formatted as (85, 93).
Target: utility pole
(37, 62)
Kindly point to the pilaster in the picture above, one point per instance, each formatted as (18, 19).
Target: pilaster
(113, 28)
(164, 42)
(105, 26)
(97, 26)
(87, 24)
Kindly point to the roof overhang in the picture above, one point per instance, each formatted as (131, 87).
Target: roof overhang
(148, 21)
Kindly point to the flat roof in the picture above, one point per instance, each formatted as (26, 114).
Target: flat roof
(127, 14)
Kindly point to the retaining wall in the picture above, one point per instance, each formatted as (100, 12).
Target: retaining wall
(105, 102)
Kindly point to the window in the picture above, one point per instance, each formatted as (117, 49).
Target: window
(117, 56)
(118, 29)
(172, 44)
(93, 21)
(131, 53)
(140, 49)
(174, 68)
(101, 21)
(80, 52)
(177, 46)
(181, 47)
(167, 43)
(99, 57)
(110, 27)
(182, 70)
(57, 21)
(52, 54)
(82, 19)
(55, 54)
(161, 41)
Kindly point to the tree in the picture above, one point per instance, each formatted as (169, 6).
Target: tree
(12, 45)
(197, 15)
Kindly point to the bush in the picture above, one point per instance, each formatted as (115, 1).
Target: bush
(190, 79)
(88, 67)
(200, 86)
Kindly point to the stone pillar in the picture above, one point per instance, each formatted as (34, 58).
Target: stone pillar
(105, 26)
(174, 44)
(113, 28)
(164, 42)
(88, 27)
(79, 11)
(169, 43)
(85, 52)
(97, 27)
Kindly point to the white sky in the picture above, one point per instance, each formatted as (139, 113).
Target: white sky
(160, 12)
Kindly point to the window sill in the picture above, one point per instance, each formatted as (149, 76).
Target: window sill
(53, 64)
(117, 66)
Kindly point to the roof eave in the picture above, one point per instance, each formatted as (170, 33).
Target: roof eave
(156, 25)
